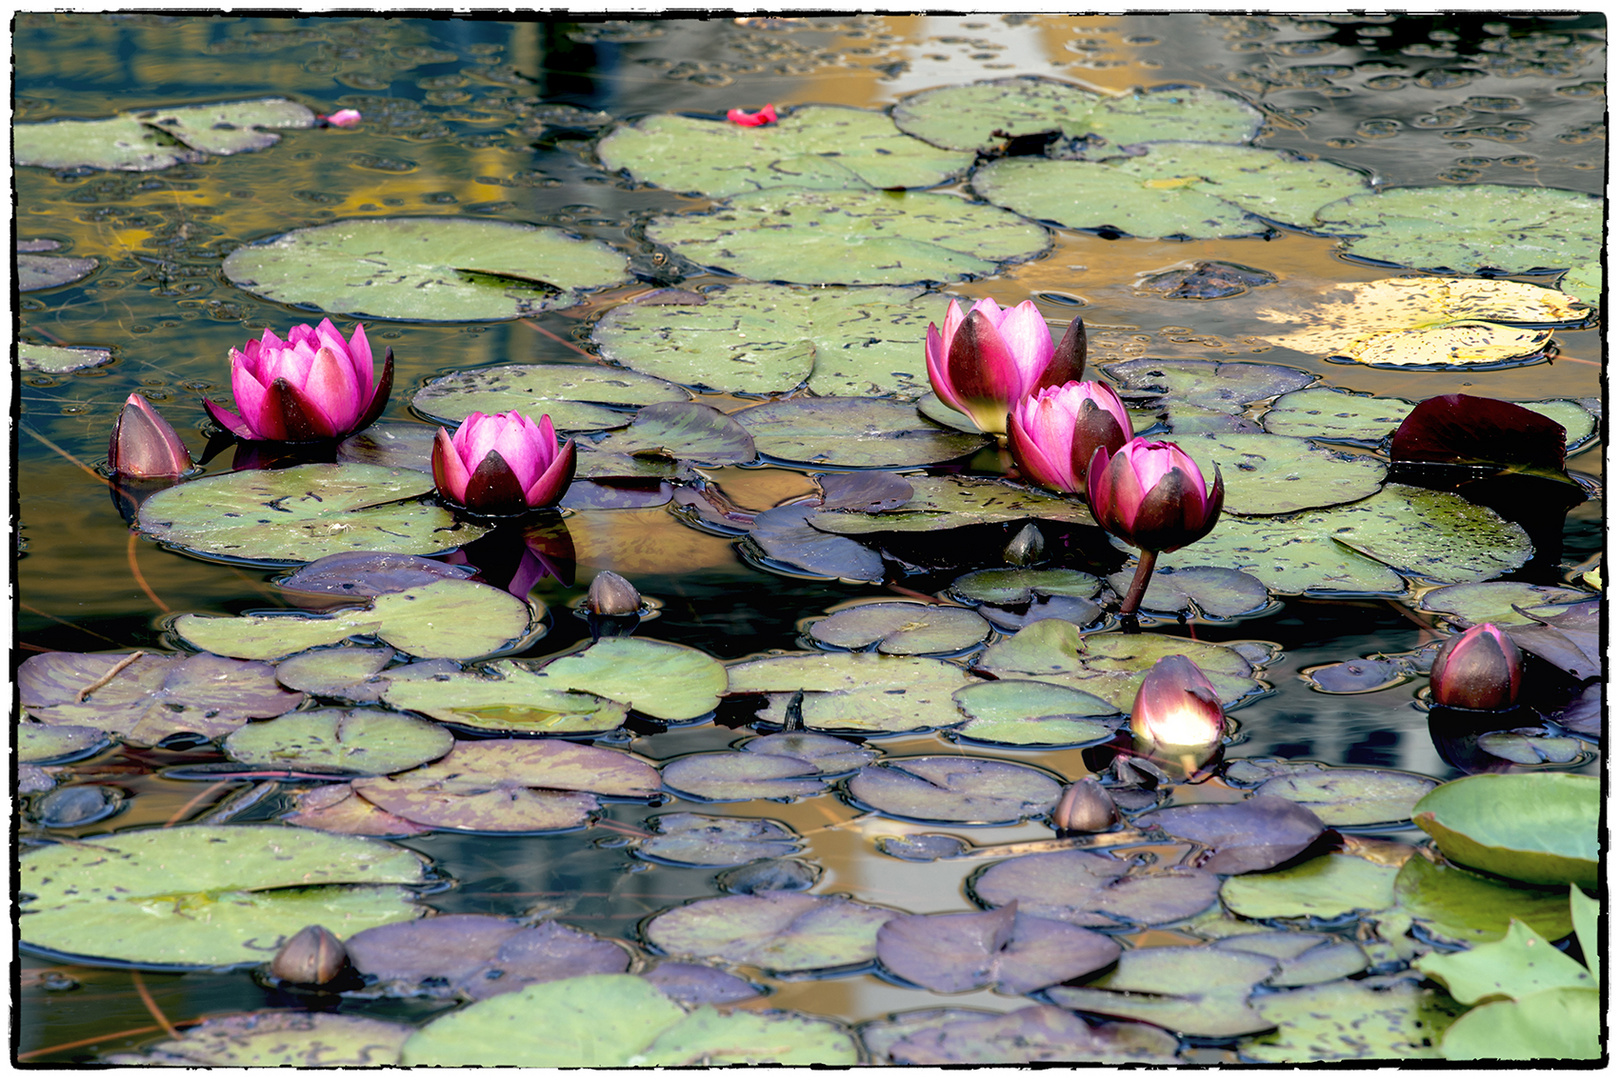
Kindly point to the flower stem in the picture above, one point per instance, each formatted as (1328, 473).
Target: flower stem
(1138, 584)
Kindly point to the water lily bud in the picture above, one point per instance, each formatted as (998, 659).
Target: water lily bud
(503, 464)
(144, 444)
(1177, 714)
(1150, 495)
(313, 956)
(312, 386)
(612, 595)
(1054, 432)
(1084, 807)
(1480, 669)
(984, 362)
(1026, 547)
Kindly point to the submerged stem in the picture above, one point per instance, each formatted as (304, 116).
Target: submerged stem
(1138, 584)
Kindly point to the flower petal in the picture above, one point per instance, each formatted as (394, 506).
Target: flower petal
(1028, 339)
(553, 483)
(449, 471)
(288, 408)
(331, 390)
(493, 489)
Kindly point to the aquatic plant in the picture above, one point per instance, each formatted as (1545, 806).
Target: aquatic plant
(1055, 432)
(312, 386)
(985, 361)
(502, 464)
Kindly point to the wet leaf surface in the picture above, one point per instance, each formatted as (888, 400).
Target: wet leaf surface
(1019, 585)
(696, 984)
(1498, 601)
(1210, 591)
(1273, 474)
(149, 139)
(782, 538)
(1354, 676)
(1090, 889)
(1192, 990)
(336, 808)
(368, 573)
(900, 629)
(1539, 828)
(574, 396)
(684, 430)
(655, 678)
(1256, 834)
(1326, 887)
(962, 790)
(1302, 959)
(510, 699)
(1520, 964)
(1010, 951)
(51, 743)
(1351, 797)
(1031, 1034)
(948, 502)
(701, 840)
(734, 776)
(35, 272)
(776, 931)
(1210, 384)
(865, 692)
(1559, 1024)
(1381, 1018)
(369, 741)
(300, 1039)
(340, 673)
(864, 491)
(851, 433)
(393, 446)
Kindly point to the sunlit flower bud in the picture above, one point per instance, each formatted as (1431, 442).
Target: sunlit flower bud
(1055, 431)
(144, 444)
(984, 362)
(1480, 669)
(1026, 547)
(312, 386)
(503, 464)
(311, 957)
(611, 594)
(1150, 495)
(1085, 807)
(1177, 714)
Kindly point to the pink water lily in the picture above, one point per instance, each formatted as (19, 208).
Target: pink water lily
(1480, 669)
(503, 464)
(1055, 431)
(985, 361)
(145, 444)
(314, 385)
(1177, 714)
(766, 115)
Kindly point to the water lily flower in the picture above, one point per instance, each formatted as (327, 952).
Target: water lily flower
(314, 385)
(1177, 715)
(1085, 807)
(342, 118)
(1480, 669)
(1150, 495)
(766, 115)
(984, 362)
(144, 444)
(1056, 430)
(502, 464)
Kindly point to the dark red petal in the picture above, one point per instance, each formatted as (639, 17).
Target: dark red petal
(980, 365)
(1161, 523)
(493, 487)
(1094, 428)
(1068, 363)
(297, 416)
(1466, 430)
(379, 397)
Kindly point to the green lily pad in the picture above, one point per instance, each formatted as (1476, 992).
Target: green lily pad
(1089, 888)
(1035, 1033)
(778, 931)
(1520, 964)
(761, 339)
(285, 516)
(1192, 990)
(199, 895)
(901, 629)
(1562, 1024)
(35, 272)
(981, 115)
(865, 692)
(686, 431)
(1464, 229)
(1497, 601)
(860, 433)
(320, 1040)
(1210, 591)
(702, 840)
(150, 139)
(426, 268)
(58, 360)
(1584, 283)
(1193, 190)
(1352, 797)
(1338, 415)
(957, 790)
(1585, 912)
(514, 701)
(1365, 547)
(655, 678)
(850, 237)
(338, 673)
(948, 502)
(1531, 746)
(1465, 907)
(1383, 1018)
(815, 146)
(1019, 585)
(451, 618)
(1539, 828)
(1324, 887)
(574, 396)
(709, 1037)
(1274, 474)
(1302, 959)
(1209, 384)
(50, 743)
(1021, 712)
(368, 740)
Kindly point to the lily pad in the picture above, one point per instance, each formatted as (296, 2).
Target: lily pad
(426, 268)
(856, 691)
(866, 491)
(743, 1037)
(808, 237)
(981, 116)
(574, 396)
(368, 573)
(1520, 964)
(1210, 384)
(336, 808)
(199, 895)
(1191, 190)
(1584, 283)
(1004, 949)
(52, 743)
(949, 502)
(1035, 1033)
(1531, 746)
(1274, 474)
(1499, 602)
(1091, 889)
(396, 446)
(369, 741)
(514, 700)
(684, 430)
(1352, 797)
(868, 433)
(462, 620)
(1560, 1024)
(701, 840)
(1019, 585)
(734, 776)
(1021, 712)
(655, 678)
(1460, 906)
(1338, 415)
(697, 984)
(1539, 828)
(337, 673)
(959, 790)
(35, 272)
(1326, 887)
(901, 629)
(783, 540)
(1383, 1018)
(1209, 591)
(157, 138)
(1256, 834)
(1193, 990)
(297, 515)
(814, 146)
(153, 696)
(321, 1040)
(760, 339)
(1303, 959)
(1464, 229)
(1354, 676)
(779, 931)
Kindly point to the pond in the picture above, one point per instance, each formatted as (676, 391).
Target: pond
(740, 813)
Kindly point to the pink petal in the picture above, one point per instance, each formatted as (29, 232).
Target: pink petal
(228, 420)
(1032, 457)
(1028, 338)
(552, 484)
(330, 389)
(249, 392)
(450, 473)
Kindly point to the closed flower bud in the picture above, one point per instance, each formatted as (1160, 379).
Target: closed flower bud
(503, 464)
(1177, 714)
(144, 444)
(1026, 547)
(1054, 432)
(610, 594)
(1085, 807)
(313, 956)
(984, 362)
(1480, 669)
(1150, 495)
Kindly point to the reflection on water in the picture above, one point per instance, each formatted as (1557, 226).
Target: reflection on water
(462, 116)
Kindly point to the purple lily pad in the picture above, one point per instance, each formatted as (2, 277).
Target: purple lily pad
(1002, 948)
(736, 776)
(1256, 834)
(397, 446)
(1034, 1033)
(369, 573)
(829, 754)
(701, 840)
(684, 430)
(480, 956)
(1569, 640)
(868, 492)
(770, 875)
(336, 808)
(782, 535)
(1353, 676)
(697, 984)
(1583, 715)
(777, 931)
(956, 789)
(154, 696)
(922, 847)
(1072, 609)
(1224, 387)
(625, 495)
(1089, 889)
(48, 271)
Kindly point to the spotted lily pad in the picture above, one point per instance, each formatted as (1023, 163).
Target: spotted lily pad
(514, 700)
(1559, 1024)
(1274, 474)
(337, 808)
(1193, 990)
(1464, 229)
(463, 620)
(778, 931)
(1210, 591)
(1539, 828)
(152, 696)
(901, 629)
(1211, 384)
(200, 895)
(57, 359)
(1190, 190)
(1503, 603)
(865, 692)
(782, 540)
(1327, 887)
(51, 743)
(157, 138)
(959, 790)
(1256, 834)
(655, 678)
(1003, 948)
(1035, 1033)
(685, 430)
(426, 268)
(736, 776)
(814, 146)
(701, 840)
(1302, 959)
(301, 1039)
(852, 433)
(1383, 1018)
(369, 741)
(904, 238)
(759, 339)
(949, 502)
(574, 396)
(1458, 905)
(1351, 797)
(1091, 889)
(1021, 712)
(35, 272)
(299, 514)
(338, 673)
